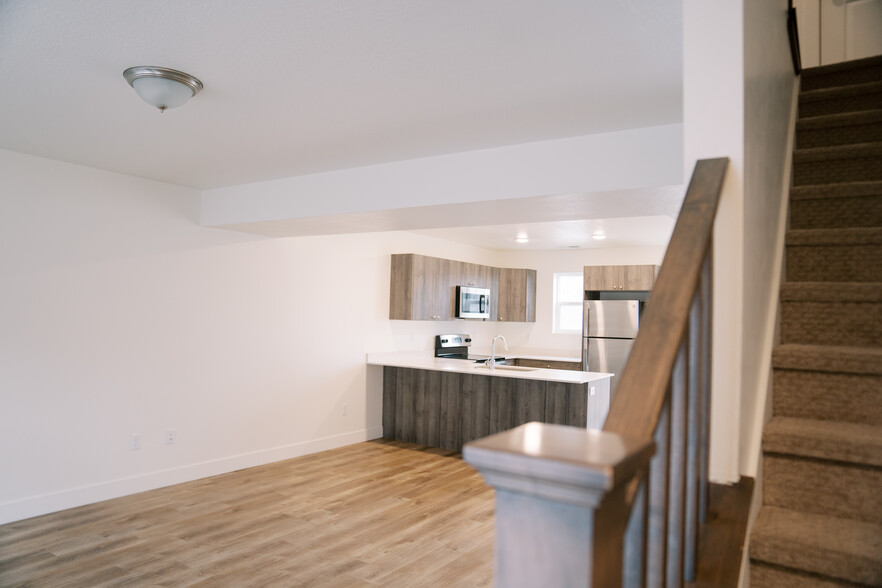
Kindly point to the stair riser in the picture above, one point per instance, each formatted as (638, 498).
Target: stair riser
(863, 75)
(840, 104)
(840, 135)
(836, 213)
(765, 576)
(836, 170)
(855, 324)
(834, 263)
(823, 487)
(850, 398)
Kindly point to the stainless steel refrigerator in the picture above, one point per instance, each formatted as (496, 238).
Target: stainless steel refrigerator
(608, 331)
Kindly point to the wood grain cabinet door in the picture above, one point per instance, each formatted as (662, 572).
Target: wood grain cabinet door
(638, 277)
(517, 295)
(604, 278)
(421, 288)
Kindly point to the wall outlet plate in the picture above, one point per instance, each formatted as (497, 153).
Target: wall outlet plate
(170, 436)
(135, 441)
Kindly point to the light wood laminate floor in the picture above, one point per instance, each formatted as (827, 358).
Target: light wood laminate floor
(379, 513)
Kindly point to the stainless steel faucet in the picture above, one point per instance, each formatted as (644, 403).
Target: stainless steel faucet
(492, 361)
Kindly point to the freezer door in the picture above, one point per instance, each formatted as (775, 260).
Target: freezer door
(606, 355)
(610, 318)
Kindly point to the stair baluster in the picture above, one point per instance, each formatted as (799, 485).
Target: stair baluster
(630, 496)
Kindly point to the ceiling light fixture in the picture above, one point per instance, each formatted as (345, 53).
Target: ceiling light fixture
(161, 87)
(598, 236)
(522, 239)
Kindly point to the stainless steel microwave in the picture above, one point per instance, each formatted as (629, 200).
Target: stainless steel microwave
(472, 303)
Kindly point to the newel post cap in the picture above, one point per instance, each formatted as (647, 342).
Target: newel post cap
(556, 462)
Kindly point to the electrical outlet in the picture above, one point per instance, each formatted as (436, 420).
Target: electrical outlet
(135, 441)
(345, 409)
(170, 436)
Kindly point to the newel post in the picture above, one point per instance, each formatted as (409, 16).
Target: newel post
(561, 503)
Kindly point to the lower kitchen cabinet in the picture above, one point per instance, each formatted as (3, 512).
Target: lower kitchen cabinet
(447, 410)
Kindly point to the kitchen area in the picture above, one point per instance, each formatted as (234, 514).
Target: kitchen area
(471, 386)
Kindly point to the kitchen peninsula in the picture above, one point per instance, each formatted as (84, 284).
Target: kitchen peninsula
(446, 403)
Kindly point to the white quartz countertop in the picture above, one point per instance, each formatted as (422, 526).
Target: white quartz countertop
(423, 360)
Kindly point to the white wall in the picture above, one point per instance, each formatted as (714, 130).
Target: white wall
(121, 315)
(738, 103)
(770, 95)
(713, 126)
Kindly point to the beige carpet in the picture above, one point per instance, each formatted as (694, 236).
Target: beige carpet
(821, 521)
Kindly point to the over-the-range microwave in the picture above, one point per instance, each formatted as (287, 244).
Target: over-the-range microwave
(472, 303)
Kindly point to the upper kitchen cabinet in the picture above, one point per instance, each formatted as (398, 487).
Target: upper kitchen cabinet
(478, 276)
(517, 295)
(619, 277)
(422, 288)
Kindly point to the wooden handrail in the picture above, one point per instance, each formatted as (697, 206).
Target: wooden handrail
(631, 496)
(643, 385)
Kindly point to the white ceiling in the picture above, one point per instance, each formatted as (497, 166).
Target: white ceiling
(295, 87)
(571, 234)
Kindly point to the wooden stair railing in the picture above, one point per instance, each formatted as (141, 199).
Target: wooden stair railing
(622, 506)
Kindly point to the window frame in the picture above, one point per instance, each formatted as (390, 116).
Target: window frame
(558, 304)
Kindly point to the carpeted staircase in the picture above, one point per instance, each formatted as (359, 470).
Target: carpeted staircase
(821, 520)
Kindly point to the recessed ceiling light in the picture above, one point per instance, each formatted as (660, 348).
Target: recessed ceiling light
(598, 236)
(522, 238)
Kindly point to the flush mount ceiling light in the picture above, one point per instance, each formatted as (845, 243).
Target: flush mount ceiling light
(522, 238)
(598, 236)
(161, 87)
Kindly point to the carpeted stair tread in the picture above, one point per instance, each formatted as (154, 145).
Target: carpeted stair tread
(851, 151)
(839, 163)
(837, 190)
(838, 99)
(843, 322)
(831, 291)
(826, 358)
(845, 236)
(827, 396)
(845, 73)
(842, 205)
(831, 440)
(841, 119)
(839, 129)
(819, 486)
(833, 547)
(763, 575)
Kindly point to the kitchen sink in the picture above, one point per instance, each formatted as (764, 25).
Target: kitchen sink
(513, 368)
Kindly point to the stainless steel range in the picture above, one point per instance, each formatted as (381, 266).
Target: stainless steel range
(457, 347)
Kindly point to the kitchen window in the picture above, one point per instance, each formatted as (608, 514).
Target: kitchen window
(567, 296)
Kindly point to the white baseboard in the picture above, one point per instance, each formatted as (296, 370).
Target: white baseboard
(33, 506)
